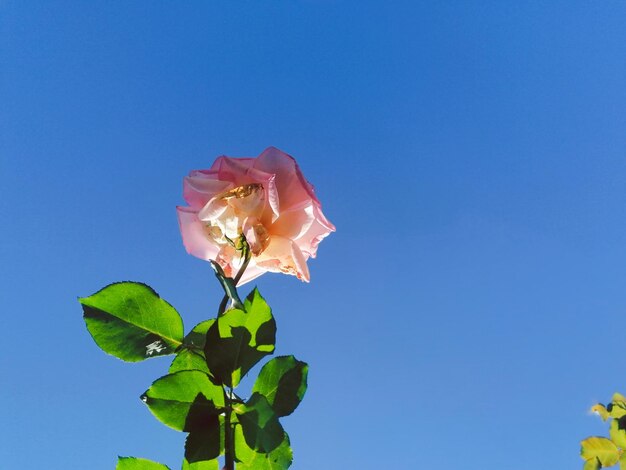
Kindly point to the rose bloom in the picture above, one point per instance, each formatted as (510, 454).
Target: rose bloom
(264, 199)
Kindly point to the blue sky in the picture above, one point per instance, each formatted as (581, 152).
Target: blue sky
(472, 155)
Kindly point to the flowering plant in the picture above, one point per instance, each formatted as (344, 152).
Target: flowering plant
(264, 200)
(246, 216)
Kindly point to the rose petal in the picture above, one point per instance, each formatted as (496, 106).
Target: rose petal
(272, 198)
(319, 229)
(256, 235)
(293, 189)
(252, 272)
(239, 171)
(293, 224)
(283, 255)
(239, 165)
(299, 259)
(229, 260)
(200, 188)
(242, 171)
(194, 238)
(251, 203)
(212, 210)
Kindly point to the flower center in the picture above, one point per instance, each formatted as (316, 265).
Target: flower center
(241, 192)
(236, 212)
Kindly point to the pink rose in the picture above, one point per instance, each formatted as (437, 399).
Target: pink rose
(265, 199)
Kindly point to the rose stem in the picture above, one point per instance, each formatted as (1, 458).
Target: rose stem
(235, 281)
(228, 437)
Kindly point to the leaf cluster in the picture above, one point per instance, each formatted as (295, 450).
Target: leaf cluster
(131, 322)
(600, 452)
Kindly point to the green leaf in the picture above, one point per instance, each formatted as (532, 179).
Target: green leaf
(191, 355)
(278, 459)
(131, 322)
(239, 339)
(283, 382)
(133, 463)
(187, 359)
(196, 338)
(259, 423)
(622, 461)
(601, 448)
(260, 313)
(204, 442)
(202, 465)
(179, 400)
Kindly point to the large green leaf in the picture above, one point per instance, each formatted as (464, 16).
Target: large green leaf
(201, 465)
(249, 459)
(204, 442)
(131, 322)
(133, 463)
(259, 424)
(601, 448)
(186, 359)
(239, 339)
(283, 382)
(197, 336)
(183, 398)
(191, 355)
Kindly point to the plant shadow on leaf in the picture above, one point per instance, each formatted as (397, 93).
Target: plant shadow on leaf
(202, 413)
(259, 423)
(177, 398)
(205, 439)
(202, 445)
(288, 400)
(235, 343)
(283, 381)
(249, 459)
(196, 337)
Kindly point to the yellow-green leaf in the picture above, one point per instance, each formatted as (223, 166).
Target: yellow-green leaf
(592, 464)
(133, 463)
(618, 436)
(619, 397)
(601, 448)
(202, 465)
(601, 411)
(616, 409)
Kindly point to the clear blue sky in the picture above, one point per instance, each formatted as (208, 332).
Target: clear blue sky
(470, 307)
